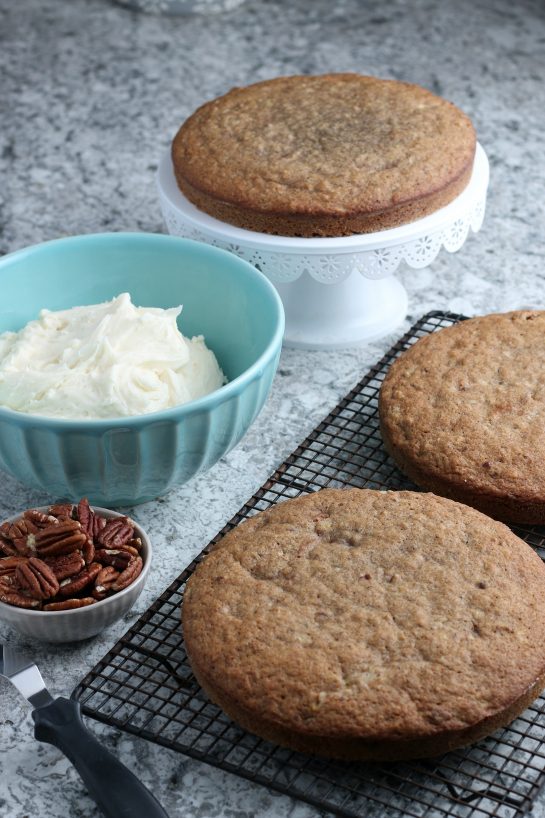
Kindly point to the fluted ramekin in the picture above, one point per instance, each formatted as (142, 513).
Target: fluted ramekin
(80, 623)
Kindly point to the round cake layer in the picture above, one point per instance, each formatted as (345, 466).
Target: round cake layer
(462, 412)
(369, 625)
(327, 155)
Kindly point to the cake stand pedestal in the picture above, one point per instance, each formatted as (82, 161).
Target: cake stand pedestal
(337, 292)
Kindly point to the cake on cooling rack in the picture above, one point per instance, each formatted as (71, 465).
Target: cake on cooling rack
(462, 413)
(327, 155)
(363, 624)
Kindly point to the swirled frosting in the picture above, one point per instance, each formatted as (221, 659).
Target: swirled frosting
(104, 361)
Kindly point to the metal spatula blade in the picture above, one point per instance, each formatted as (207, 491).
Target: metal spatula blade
(24, 674)
(116, 791)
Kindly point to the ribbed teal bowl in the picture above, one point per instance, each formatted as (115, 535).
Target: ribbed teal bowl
(124, 461)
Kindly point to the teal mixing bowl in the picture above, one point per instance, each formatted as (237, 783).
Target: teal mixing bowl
(123, 461)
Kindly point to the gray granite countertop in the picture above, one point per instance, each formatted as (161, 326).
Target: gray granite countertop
(91, 93)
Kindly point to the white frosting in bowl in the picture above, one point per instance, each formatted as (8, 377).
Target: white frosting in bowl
(103, 361)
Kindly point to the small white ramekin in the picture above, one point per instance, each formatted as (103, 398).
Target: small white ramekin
(79, 623)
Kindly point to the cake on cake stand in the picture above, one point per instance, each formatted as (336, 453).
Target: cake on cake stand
(337, 292)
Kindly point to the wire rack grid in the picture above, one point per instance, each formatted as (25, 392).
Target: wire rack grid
(144, 685)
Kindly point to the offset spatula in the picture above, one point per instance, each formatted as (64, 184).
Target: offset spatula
(116, 791)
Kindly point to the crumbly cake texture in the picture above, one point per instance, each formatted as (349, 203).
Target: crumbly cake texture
(363, 624)
(462, 413)
(328, 155)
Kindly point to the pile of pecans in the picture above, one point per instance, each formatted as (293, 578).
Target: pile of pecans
(66, 558)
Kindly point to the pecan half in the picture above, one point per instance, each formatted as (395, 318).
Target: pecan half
(104, 581)
(113, 556)
(127, 576)
(98, 524)
(12, 595)
(136, 543)
(88, 550)
(9, 564)
(91, 522)
(39, 519)
(36, 579)
(6, 545)
(73, 585)
(22, 528)
(61, 510)
(85, 516)
(19, 537)
(116, 532)
(69, 604)
(65, 565)
(62, 538)
(129, 549)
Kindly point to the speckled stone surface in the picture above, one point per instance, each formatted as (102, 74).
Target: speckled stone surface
(91, 95)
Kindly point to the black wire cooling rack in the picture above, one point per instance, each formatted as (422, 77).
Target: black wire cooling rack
(144, 685)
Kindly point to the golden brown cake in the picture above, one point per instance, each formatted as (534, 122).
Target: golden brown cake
(462, 413)
(324, 155)
(362, 624)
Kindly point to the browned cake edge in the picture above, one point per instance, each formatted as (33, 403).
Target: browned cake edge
(359, 749)
(309, 225)
(508, 509)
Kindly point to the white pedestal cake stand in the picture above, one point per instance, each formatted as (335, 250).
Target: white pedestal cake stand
(337, 292)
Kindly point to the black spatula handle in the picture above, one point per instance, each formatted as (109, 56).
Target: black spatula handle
(116, 791)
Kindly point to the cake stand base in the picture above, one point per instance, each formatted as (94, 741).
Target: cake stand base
(338, 291)
(356, 311)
